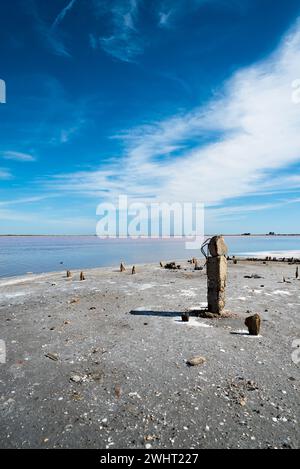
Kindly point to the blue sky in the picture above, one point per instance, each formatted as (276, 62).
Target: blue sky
(182, 100)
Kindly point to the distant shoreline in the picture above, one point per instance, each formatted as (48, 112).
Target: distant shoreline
(278, 235)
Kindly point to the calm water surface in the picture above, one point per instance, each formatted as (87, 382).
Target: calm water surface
(19, 255)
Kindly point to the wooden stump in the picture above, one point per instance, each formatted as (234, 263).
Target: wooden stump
(185, 317)
(82, 277)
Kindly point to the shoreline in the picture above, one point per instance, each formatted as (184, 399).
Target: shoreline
(254, 235)
(247, 259)
(20, 255)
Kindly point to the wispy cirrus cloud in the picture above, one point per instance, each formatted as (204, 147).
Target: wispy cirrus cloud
(228, 212)
(49, 34)
(23, 200)
(128, 40)
(60, 120)
(170, 12)
(5, 174)
(60, 17)
(10, 215)
(68, 133)
(253, 130)
(164, 18)
(125, 41)
(17, 156)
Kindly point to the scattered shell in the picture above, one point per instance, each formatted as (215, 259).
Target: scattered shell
(52, 356)
(76, 378)
(75, 300)
(196, 361)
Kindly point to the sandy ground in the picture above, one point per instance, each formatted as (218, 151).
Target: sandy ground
(119, 377)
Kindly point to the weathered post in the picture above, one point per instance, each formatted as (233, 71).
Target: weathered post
(216, 274)
(82, 276)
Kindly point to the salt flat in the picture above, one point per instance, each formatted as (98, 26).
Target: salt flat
(102, 363)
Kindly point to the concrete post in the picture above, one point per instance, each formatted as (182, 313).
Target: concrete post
(216, 274)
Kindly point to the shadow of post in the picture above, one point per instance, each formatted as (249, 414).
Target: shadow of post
(155, 313)
(166, 314)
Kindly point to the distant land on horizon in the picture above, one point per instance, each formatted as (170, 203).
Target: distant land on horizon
(147, 237)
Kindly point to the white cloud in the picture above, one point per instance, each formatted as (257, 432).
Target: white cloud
(229, 212)
(172, 12)
(55, 43)
(9, 215)
(17, 156)
(60, 17)
(164, 18)
(125, 42)
(5, 174)
(50, 36)
(257, 124)
(24, 200)
(67, 133)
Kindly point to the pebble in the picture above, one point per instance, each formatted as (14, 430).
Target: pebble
(76, 378)
(195, 361)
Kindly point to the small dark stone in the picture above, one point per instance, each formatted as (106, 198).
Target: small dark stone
(253, 323)
(171, 266)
